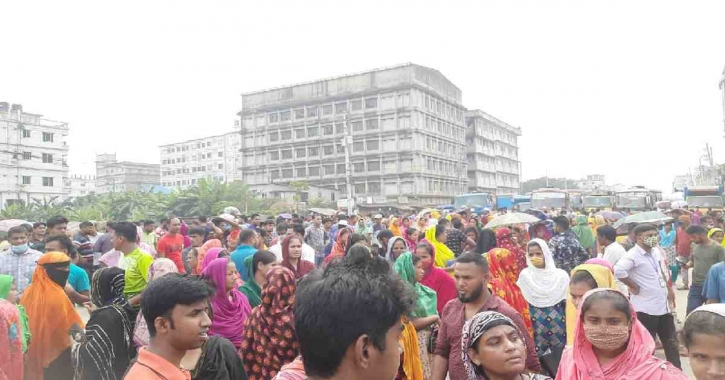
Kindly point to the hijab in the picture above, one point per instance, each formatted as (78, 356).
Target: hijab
(201, 252)
(6, 283)
(438, 280)
(636, 362)
(159, 268)
(45, 301)
(303, 266)
(11, 351)
(211, 255)
(338, 248)
(473, 329)
(504, 240)
(427, 298)
(604, 278)
(504, 273)
(486, 241)
(389, 254)
(583, 232)
(250, 288)
(231, 309)
(443, 253)
(394, 227)
(543, 287)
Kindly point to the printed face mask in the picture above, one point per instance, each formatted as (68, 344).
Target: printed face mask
(650, 241)
(607, 337)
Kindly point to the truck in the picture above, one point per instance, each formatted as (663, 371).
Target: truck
(523, 202)
(504, 201)
(550, 198)
(476, 202)
(602, 200)
(704, 197)
(637, 198)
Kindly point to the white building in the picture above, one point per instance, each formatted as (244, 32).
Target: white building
(119, 176)
(592, 182)
(33, 154)
(722, 90)
(215, 158)
(80, 185)
(492, 154)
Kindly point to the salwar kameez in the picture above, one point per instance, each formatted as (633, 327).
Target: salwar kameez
(549, 325)
(426, 358)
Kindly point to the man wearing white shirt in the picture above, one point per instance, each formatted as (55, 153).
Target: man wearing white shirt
(308, 253)
(612, 251)
(642, 270)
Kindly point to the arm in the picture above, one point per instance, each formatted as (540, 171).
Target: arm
(621, 271)
(442, 350)
(161, 250)
(421, 323)
(135, 300)
(74, 296)
(710, 288)
(440, 368)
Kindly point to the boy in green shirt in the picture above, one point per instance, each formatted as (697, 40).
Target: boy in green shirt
(137, 261)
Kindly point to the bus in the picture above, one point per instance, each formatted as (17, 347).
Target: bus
(575, 197)
(598, 200)
(550, 198)
(476, 202)
(704, 197)
(637, 198)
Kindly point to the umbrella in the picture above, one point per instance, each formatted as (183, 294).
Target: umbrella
(678, 204)
(643, 217)
(511, 219)
(427, 211)
(7, 224)
(611, 215)
(323, 211)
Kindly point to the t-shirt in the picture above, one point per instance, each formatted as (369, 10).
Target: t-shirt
(704, 257)
(138, 263)
(714, 288)
(170, 246)
(78, 279)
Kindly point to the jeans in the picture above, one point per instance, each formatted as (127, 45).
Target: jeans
(664, 327)
(695, 298)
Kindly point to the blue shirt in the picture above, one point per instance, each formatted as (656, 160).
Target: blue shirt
(238, 256)
(714, 286)
(78, 279)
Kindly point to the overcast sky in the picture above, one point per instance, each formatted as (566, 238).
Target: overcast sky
(621, 88)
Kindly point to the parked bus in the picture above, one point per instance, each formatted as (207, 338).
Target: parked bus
(603, 200)
(550, 198)
(476, 202)
(575, 197)
(704, 197)
(638, 198)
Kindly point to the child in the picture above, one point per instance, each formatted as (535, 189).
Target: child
(704, 336)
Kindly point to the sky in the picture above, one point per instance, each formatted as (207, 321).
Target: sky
(620, 88)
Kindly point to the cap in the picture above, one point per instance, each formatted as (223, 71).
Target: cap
(377, 216)
(227, 217)
(342, 223)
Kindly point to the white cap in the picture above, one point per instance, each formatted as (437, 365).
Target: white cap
(342, 223)
(377, 216)
(227, 217)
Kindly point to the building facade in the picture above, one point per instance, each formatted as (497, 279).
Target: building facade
(493, 154)
(33, 154)
(722, 91)
(80, 185)
(592, 182)
(118, 176)
(214, 158)
(404, 129)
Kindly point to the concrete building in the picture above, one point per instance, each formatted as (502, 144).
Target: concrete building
(406, 127)
(679, 182)
(492, 154)
(118, 176)
(722, 91)
(215, 158)
(33, 155)
(592, 182)
(80, 185)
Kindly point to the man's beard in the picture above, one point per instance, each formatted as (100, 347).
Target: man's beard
(473, 297)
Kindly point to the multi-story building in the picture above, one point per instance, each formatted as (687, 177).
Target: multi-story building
(492, 154)
(118, 176)
(405, 128)
(215, 157)
(80, 185)
(33, 155)
(592, 182)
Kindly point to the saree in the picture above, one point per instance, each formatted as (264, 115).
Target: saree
(443, 253)
(338, 248)
(427, 298)
(604, 278)
(11, 351)
(250, 288)
(6, 284)
(201, 252)
(230, 309)
(303, 266)
(504, 274)
(504, 240)
(394, 227)
(411, 363)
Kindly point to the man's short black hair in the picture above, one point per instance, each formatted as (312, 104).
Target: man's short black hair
(299, 229)
(282, 228)
(268, 222)
(202, 219)
(473, 258)
(56, 220)
(644, 227)
(17, 230)
(148, 222)
(201, 231)
(607, 232)
(264, 257)
(127, 230)
(457, 223)
(562, 222)
(326, 220)
(246, 235)
(696, 230)
(443, 222)
(162, 295)
(253, 216)
(85, 224)
(385, 234)
(38, 224)
(334, 307)
(65, 242)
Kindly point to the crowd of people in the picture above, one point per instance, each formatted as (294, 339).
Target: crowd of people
(433, 296)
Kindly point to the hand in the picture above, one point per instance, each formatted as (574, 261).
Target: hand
(670, 295)
(634, 289)
(90, 307)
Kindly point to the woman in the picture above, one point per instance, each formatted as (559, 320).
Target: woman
(45, 300)
(211, 255)
(716, 235)
(472, 233)
(230, 307)
(11, 350)
(436, 236)
(545, 288)
(422, 223)
(486, 241)
(425, 316)
(411, 238)
(233, 239)
(159, 268)
(704, 338)
(504, 240)
(338, 248)
(394, 226)
(396, 247)
(584, 278)
(610, 343)
(292, 256)
(212, 243)
(257, 267)
(216, 359)
(435, 278)
(269, 334)
(584, 233)
(106, 352)
(504, 269)
(354, 239)
(667, 244)
(9, 292)
(493, 347)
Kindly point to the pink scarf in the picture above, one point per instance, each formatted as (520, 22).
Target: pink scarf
(439, 280)
(230, 310)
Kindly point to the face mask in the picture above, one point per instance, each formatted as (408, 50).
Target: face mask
(60, 277)
(537, 261)
(19, 249)
(607, 338)
(650, 241)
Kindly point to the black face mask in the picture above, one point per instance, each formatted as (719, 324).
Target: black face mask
(58, 276)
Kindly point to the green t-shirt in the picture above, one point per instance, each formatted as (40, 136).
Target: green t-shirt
(137, 272)
(704, 257)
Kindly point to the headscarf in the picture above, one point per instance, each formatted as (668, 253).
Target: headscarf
(250, 288)
(159, 268)
(712, 232)
(583, 232)
(409, 241)
(269, 334)
(636, 362)
(602, 262)
(503, 240)
(438, 280)
(543, 287)
(504, 268)
(231, 309)
(338, 249)
(211, 255)
(394, 227)
(11, 351)
(201, 252)
(303, 266)
(106, 353)
(389, 254)
(473, 329)
(486, 241)
(46, 301)
(443, 253)
(427, 298)
(605, 279)
(6, 283)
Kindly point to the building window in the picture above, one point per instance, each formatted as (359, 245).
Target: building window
(358, 167)
(371, 124)
(300, 113)
(47, 158)
(329, 169)
(358, 146)
(371, 103)
(356, 105)
(340, 107)
(312, 131)
(287, 154)
(219, 154)
(327, 150)
(48, 181)
(274, 174)
(327, 110)
(299, 133)
(314, 171)
(273, 117)
(374, 188)
(373, 166)
(360, 188)
(284, 116)
(357, 126)
(286, 135)
(314, 152)
(340, 148)
(287, 173)
(327, 129)
(339, 128)
(300, 152)
(220, 166)
(373, 144)
(47, 137)
(301, 172)
(340, 168)
(26, 180)
(26, 133)
(274, 156)
(26, 156)
(311, 111)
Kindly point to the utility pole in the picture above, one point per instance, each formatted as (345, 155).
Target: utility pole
(347, 143)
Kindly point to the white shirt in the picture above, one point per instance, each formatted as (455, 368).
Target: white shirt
(308, 253)
(645, 270)
(613, 253)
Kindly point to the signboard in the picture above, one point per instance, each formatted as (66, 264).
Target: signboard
(379, 199)
(402, 199)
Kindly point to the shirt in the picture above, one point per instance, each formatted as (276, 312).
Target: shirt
(714, 287)
(83, 245)
(645, 269)
(21, 266)
(315, 237)
(78, 279)
(684, 243)
(170, 246)
(703, 258)
(454, 240)
(138, 263)
(567, 251)
(149, 238)
(613, 253)
(448, 344)
(151, 366)
(104, 244)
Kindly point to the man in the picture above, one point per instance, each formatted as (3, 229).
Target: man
(281, 230)
(105, 242)
(57, 225)
(612, 251)
(383, 238)
(684, 249)
(315, 238)
(176, 309)
(352, 222)
(347, 320)
(137, 261)
(455, 238)
(37, 238)
(308, 253)
(247, 247)
(78, 285)
(377, 225)
(19, 260)
(196, 235)
(643, 271)
(705, 254)
(268, 226)
(714, 288)
(565, 247)
(149, 236)
(171, 244)
(84, 247)
(255, 221)
(471, 273)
